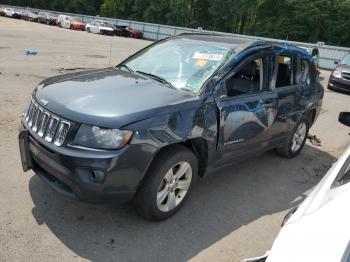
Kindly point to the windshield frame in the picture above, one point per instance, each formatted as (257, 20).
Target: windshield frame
(203, 88)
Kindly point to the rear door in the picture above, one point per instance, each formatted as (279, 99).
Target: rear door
(286, 82)
(247, 108)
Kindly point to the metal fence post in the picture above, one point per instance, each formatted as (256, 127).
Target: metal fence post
(158, 30)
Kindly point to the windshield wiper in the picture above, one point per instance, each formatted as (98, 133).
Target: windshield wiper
(158, 78)
(126, 67)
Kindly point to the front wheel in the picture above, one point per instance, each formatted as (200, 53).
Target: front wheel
(167, 184)
(296, 139)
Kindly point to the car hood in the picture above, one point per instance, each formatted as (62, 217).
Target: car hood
(343, 68)
(319, 222)
(319, 236)
(107, 97)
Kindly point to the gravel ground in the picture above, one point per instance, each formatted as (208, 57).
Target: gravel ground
(233, 214)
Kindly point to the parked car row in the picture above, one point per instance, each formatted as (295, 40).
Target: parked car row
(102, 27)
(96, 26)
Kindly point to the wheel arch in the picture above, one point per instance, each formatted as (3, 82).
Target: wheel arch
(198, 146)
(312, 116)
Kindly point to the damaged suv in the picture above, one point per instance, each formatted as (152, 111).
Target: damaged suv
(145, 129)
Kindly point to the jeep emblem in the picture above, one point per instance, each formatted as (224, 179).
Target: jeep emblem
(44, 101)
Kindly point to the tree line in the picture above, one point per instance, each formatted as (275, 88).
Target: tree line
(298, 20)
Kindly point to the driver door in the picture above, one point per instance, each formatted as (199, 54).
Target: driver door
(247, 108)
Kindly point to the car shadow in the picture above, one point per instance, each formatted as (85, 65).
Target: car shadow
(219, 205)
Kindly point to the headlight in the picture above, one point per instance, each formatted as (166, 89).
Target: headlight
(101, 138)
(337, 73)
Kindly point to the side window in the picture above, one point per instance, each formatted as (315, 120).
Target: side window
(305, 72)
(285, 73)
(248, 80)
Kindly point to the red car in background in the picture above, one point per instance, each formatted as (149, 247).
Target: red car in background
(66, 21)
(129, 32)
(76, 25)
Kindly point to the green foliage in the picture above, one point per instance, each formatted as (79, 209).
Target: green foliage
(299, 20)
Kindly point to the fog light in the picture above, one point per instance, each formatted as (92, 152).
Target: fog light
(97, 176)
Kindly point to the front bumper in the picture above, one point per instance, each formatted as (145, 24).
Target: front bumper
(339, 84)
(89, 176)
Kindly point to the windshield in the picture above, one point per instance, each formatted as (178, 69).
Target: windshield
(184, 63)
(346, 60)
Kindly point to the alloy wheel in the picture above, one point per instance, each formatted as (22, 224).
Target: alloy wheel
(299, 136)
(174, 186)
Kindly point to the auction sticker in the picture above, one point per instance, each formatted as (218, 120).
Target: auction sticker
(207, 56)
(201, 63)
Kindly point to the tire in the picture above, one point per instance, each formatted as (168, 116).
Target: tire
(130, 35)
(88, 30)
(174, 166)
(295, 141)
(71, 27)
(48, 22)
(59, 24)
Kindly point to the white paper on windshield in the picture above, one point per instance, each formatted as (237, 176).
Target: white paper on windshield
(207, 56)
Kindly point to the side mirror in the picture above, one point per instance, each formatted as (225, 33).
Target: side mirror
(336, 62)
(344, 118)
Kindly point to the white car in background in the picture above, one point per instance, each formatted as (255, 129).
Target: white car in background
(318, 229)
(99, 27)
(66, 21)
(9, 12)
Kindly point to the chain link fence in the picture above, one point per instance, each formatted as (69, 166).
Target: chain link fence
(328, 54)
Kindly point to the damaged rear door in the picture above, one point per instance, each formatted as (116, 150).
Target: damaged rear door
(247, 108)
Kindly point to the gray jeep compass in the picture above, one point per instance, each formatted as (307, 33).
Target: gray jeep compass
(146, 129)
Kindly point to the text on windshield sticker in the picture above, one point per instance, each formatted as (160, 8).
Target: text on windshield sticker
(206, 56)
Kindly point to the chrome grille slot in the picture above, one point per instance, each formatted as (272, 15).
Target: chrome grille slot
(43, 124)
(51, 128)
(62, 133)
(31, 114)
(346, 76)
(29, 111)
(37, 119)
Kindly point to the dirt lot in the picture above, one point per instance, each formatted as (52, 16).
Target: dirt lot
(233, 214)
